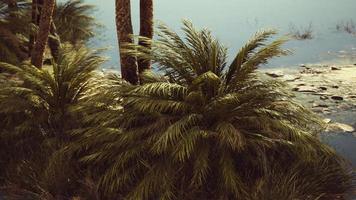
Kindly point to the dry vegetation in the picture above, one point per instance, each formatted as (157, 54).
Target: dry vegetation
(302, 33)
(347, 26)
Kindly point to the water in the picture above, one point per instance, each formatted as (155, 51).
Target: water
(345, 144)
(234, 21)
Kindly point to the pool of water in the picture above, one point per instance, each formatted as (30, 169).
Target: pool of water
(344, 143)
(234, 21)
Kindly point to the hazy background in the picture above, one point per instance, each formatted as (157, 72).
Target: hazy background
(234, 21)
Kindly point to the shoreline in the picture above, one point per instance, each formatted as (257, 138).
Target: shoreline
(328, 90)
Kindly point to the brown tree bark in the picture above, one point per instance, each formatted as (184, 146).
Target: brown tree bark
(124, 30)
(35, 19)
(43, 33)
(146, 30)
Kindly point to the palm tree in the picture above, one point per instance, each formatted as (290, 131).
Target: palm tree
(74, 22)
(146, 29)
(12, 46)
(18, 29)
(36, 7)
(36, 115)
(124, 30)
(43, 97)
(37, 53)
(205, 129)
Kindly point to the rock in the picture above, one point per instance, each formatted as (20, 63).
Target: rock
(301, 84)
(323, 88)
(324, 97)
(306, 89)
(335, 86)
(326, 112)
(337, 98)
(317, 110)
(322, 94)
(317, 105)
(275, 74)
(327, 120)
(335, 68)
(304, 66)
(343, 107)
(351, 96)
(289, 77)
(339, 127)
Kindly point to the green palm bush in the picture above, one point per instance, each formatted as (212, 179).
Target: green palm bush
(203, 129)
(35, 112)
(43, 97)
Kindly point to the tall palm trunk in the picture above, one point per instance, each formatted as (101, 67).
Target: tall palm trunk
(124, 30)
(54, 41)
(43, 33)
(146, 29)
(35, 19)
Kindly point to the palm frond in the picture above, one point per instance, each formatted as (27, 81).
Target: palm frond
(74, 23)
(204, 130)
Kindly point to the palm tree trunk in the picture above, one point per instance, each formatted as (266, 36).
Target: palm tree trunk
(124, 30)
(54, 42)
(43, 33)
(146, 29)
(35, 21)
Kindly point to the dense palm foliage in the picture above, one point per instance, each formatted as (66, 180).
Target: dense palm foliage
(72, 21)
(35, 111)
(12, 32)
(203, 129)
(199, 128)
